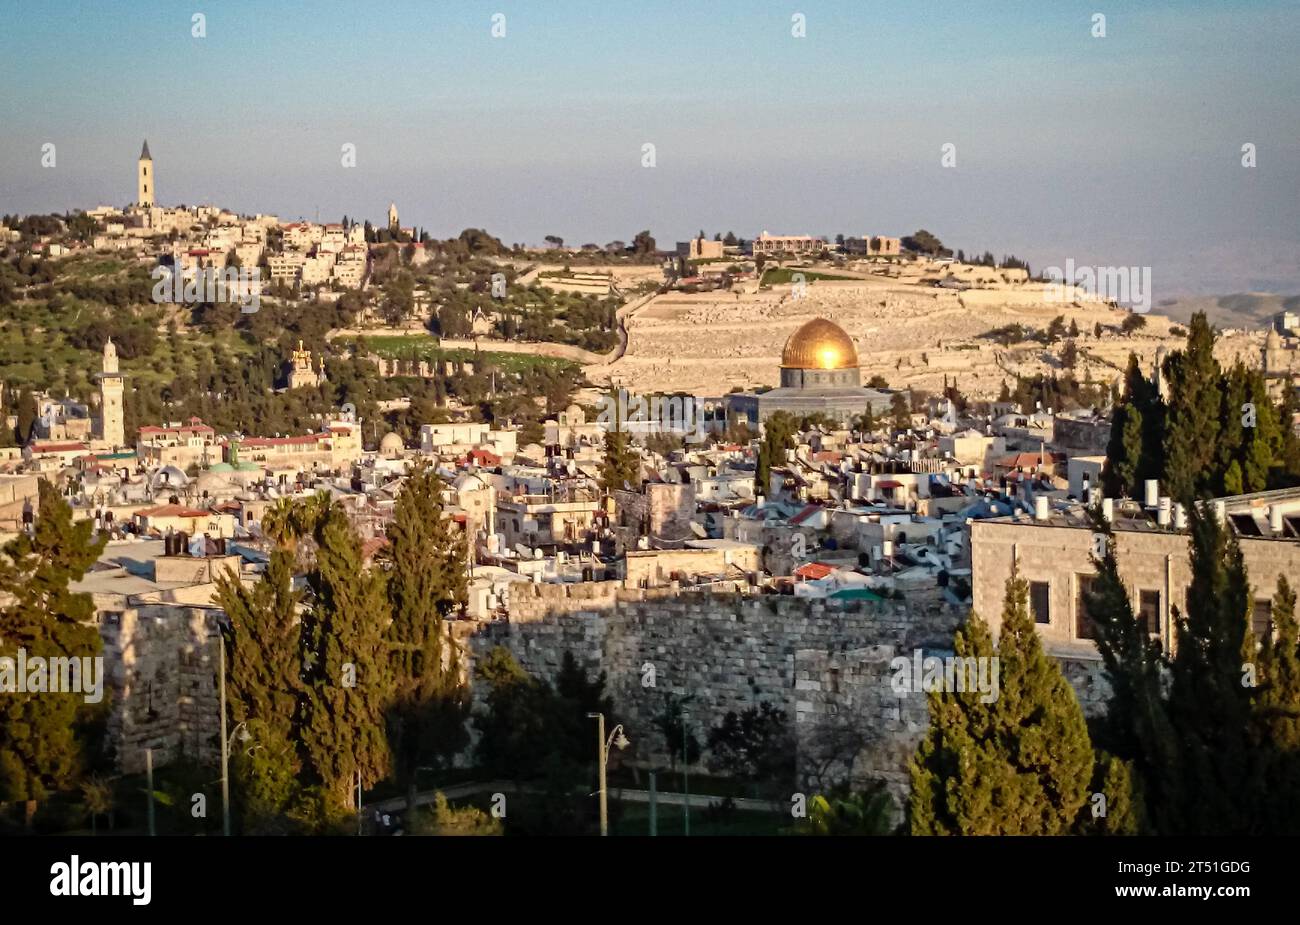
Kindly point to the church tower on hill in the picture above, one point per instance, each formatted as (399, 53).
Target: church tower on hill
(144, 179)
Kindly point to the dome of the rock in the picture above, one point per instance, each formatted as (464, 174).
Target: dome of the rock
(819, 344)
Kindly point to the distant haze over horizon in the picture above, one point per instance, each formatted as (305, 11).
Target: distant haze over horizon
(1115, 151)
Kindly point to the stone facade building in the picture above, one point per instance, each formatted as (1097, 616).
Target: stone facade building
(1054, 556)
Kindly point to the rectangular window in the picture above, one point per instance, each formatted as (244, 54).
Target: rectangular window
(1083, 628)
(1149, 611)
(1261, 619)
(1039, 601)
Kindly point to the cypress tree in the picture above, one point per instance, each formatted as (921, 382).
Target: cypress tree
(1287, 471)
(1264, 443)
(347, 677)
(778, 437)
(1277, 712)
(264, 687)
(1136, 728)
(1117, 781)
(1209, 701)
(1124, 453)
(42, 733)
(1212, 752)
(1192, 424)
(426, 559)
(1019, 765)
(621, 467)
(1233, 435)
(1135, 450)
(26, 414)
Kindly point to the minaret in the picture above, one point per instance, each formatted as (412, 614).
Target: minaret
(112, 430)
(392, 217)
(144, 178)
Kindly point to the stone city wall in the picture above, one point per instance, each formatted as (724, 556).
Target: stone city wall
(825, 664)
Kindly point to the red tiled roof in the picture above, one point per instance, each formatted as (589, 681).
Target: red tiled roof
(371, 546)
(813, 571)
(39, 447)
(484, 457)
(1028, 459)
(888, 483)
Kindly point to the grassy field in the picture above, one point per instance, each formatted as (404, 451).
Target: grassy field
(418, 346)
(778, 276)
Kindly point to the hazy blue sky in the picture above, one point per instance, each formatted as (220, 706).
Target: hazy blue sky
(1116, 151)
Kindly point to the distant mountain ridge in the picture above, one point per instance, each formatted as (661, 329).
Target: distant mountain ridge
(1241, 310)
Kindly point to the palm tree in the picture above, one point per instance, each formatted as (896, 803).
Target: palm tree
(280, 521)
(99, 799)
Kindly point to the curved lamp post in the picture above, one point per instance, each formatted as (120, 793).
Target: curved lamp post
(603, 745)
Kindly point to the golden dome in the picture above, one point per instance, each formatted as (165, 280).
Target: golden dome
(819, 344)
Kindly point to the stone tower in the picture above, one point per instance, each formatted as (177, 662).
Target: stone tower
(392, 217)
(144, 178)
(112, 429)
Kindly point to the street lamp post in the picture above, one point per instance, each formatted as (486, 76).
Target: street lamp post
(225, 746)
(603, 745)
(240, 730)
(686, 779)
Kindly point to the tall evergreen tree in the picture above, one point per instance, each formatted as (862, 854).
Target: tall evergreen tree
(26, 414)
(1019, 765)
(778, 437)
(1209, 704)
(1264, 443)
(1232, 432)
(264, 687)
(347, 677)
(1137, 726)
(1124, 460)
(1277, 711)
(1287, 471)
(426, 559)
(43, 734)
(1185, 722)
(621, 467)
(1192, 424)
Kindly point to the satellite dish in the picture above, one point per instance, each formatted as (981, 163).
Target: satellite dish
(699, 530)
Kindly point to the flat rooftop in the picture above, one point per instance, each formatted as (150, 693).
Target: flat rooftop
(1249, 515)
